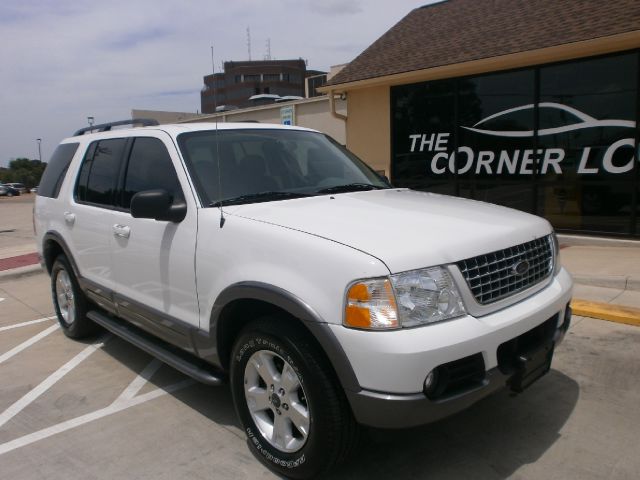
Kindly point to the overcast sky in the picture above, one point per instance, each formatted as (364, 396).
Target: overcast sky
(64, 60)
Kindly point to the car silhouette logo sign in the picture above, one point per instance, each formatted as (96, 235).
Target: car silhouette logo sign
(579, 120)
(520, 268)
(507, 157)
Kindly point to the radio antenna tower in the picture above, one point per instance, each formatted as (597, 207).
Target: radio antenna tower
(249, 42)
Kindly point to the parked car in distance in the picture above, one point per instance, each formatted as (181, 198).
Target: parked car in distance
(34, 190)
(8, 191)
(18, 186)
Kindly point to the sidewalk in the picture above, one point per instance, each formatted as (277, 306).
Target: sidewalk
(607, 279)
(606, 275)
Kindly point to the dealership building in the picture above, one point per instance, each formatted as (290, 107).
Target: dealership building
(529, 104)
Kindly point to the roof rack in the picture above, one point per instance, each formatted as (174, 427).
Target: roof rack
(105, 127)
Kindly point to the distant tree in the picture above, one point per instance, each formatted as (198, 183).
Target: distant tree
(23, 170)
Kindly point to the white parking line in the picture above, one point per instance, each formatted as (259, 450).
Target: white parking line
(138, 382)
(47, 383)
(14, 351)
(89, 417)
(25, 324)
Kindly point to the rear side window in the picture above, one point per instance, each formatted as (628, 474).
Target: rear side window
(150, 167)
(98, 176)
(56, 170)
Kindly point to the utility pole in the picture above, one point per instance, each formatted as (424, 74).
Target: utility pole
(39, 140)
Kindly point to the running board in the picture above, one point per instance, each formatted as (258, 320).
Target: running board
(181, 362)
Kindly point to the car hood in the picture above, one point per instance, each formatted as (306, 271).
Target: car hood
(403, 228)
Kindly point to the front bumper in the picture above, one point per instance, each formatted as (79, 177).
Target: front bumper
(391, 367)
(384, 410)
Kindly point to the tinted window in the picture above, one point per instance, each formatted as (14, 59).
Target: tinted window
(149, 168)
(99, 172)
(420, 113)
(558, 140)
(555, 117)
(56, 170)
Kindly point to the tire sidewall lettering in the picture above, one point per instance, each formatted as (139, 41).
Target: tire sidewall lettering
(271, 345)
(270, 456)
(242, 356)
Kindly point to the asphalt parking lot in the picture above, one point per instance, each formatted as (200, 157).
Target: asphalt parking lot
(104, 410)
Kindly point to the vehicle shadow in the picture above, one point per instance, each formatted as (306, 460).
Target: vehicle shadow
(491, 440)
(214, 403)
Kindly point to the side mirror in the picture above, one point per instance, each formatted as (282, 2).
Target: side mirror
(156, 204)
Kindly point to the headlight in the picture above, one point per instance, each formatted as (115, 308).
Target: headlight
(426, 296)
(403, 300)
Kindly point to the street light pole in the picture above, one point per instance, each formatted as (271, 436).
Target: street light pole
(39, 140)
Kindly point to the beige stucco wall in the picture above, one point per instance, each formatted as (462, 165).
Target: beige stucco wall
(310, 113)
(163, 117)
(368, 126)
(316, 115)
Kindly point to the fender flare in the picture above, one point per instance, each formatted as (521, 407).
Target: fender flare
(297, 308)
(57, 238)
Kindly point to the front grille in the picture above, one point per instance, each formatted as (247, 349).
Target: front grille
(492, 277)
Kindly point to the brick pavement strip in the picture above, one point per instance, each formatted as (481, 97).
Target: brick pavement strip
(19, 261)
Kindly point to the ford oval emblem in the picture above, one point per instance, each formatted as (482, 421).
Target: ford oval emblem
(520, 268)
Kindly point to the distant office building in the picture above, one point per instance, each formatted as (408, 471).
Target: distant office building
(312, 83)
(264, 78)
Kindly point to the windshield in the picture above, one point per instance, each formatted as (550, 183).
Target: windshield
(253, 165)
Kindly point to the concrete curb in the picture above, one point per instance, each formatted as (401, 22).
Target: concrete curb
(21, 272)
(567, 240)
(619, 282)
(606, 311)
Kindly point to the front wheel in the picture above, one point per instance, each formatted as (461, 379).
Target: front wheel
(289, 402)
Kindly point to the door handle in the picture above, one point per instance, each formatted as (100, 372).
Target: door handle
(69, 217)
(121, 230)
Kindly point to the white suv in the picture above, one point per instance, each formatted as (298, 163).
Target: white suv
(272, 257)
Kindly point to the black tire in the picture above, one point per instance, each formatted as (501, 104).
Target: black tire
(332, 431)
(69, 301)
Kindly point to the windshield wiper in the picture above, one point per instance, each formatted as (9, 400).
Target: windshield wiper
(351, 187)
(258, 197)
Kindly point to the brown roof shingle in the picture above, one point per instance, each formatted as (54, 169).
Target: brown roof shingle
(457, 31)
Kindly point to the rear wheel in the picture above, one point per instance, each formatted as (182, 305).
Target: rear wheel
(69, 301)
(291, 406)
